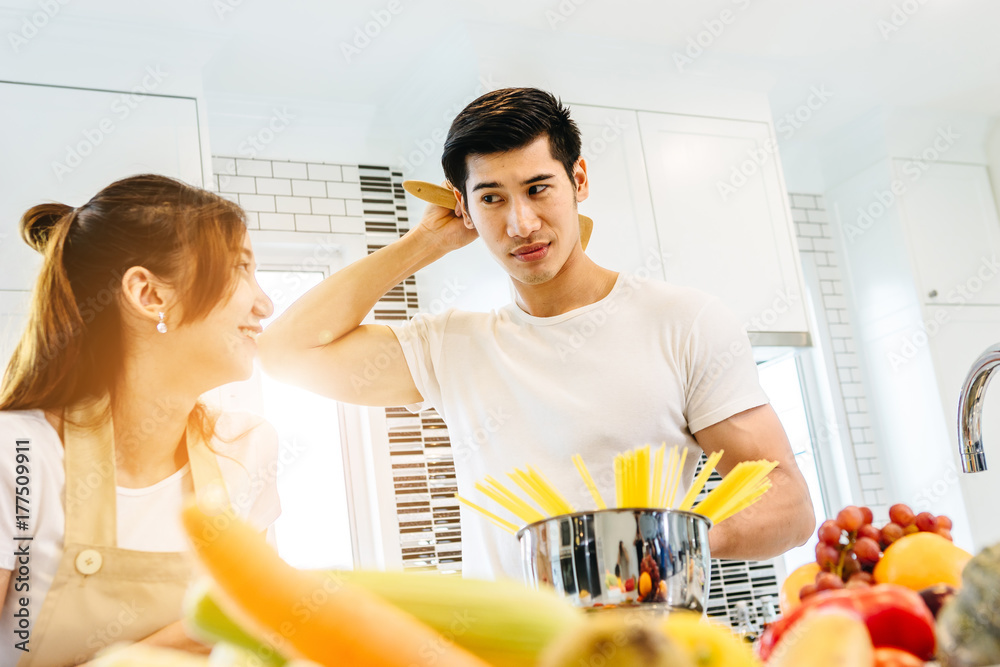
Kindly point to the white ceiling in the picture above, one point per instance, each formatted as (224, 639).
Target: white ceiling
(945, 56)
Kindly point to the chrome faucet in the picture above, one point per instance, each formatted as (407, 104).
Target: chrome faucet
(970, 410)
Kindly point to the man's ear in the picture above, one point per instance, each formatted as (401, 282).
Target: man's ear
(581, 180)
(460, 210)
(145, 296)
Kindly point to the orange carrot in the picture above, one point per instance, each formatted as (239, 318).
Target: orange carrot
(322, 619)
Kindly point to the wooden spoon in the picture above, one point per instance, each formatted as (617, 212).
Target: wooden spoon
(440, 196)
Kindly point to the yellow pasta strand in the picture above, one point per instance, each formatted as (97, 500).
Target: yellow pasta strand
(526, 508)
(740, 502)
(506, 525)
(741, 481)
(657, 491)
(729, 485)
(619, 489)
(550, 491)
(745, 503)
(521, 479)
(677, 479)
(699, 481)
(668, 481)
(513, 508)
(643, 478)
(581, 468)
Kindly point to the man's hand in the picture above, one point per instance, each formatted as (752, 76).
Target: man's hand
(320, 343)
(449, 229)
(783, 518)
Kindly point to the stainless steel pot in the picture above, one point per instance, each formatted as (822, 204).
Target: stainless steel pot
(648, 558)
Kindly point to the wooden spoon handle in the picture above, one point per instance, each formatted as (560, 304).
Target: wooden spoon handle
(440, 196)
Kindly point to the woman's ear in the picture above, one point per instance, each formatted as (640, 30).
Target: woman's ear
(144, 295)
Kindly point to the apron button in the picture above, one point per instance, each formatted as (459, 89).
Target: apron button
(88, 561)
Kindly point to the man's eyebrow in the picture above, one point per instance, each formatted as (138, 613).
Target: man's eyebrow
(494, 184)
(483, 186)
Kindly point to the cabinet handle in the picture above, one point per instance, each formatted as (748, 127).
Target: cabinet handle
(932, 294)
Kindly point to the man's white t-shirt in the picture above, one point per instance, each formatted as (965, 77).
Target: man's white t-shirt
(647, 364)
(148, 518)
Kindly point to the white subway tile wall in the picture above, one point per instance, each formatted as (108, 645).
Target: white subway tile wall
(816, 242)
(296, 196)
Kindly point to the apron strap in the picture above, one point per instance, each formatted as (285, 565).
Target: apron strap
(209, 485)
(89, 455)
(91, 490)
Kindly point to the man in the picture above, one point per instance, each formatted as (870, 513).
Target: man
(657, 364)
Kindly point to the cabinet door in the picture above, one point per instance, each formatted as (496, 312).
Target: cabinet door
(722, 216)
(624, 237)
(951, 221)
(64, 144)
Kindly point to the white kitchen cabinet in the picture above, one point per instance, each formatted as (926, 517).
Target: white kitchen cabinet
(722, 217)
(65, 144)
(624, 237)
(657, 204)
(951, 223)
(920, 249)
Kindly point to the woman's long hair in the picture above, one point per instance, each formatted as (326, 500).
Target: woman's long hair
(72, 348)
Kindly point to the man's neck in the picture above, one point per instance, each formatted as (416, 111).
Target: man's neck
(579, 283)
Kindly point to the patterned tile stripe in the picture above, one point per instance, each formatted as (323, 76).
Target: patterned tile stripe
(423, 469)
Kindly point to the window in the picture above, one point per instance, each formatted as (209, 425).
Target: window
(783, 379)
(314, 530)
(315, 526)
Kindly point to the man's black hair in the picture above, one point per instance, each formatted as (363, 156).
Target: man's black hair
(505, 120)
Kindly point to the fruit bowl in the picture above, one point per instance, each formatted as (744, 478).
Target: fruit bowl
(652, 559)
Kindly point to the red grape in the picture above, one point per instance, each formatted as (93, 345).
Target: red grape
(851, 564)
(829, 532)
(901, 514)
(944, 522)
(945, 533)
(867, 550)
(850, 518)
(926, 522)
(891, 532)
(828, 581)
(865, 577)
(870, 531)
(856, 583)
(826, 556)
(867, 514)
(806, 591)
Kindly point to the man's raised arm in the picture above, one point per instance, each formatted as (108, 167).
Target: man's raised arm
(319, 343)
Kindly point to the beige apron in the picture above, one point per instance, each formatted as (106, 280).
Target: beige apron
(102, 594)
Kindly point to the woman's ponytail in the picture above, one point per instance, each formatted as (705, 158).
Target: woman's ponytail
(39, 221)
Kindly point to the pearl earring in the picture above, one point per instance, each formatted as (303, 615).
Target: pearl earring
(162, 326)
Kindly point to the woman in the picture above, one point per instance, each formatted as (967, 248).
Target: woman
(146, 300)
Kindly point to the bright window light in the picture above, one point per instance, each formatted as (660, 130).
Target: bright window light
(314, 530)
